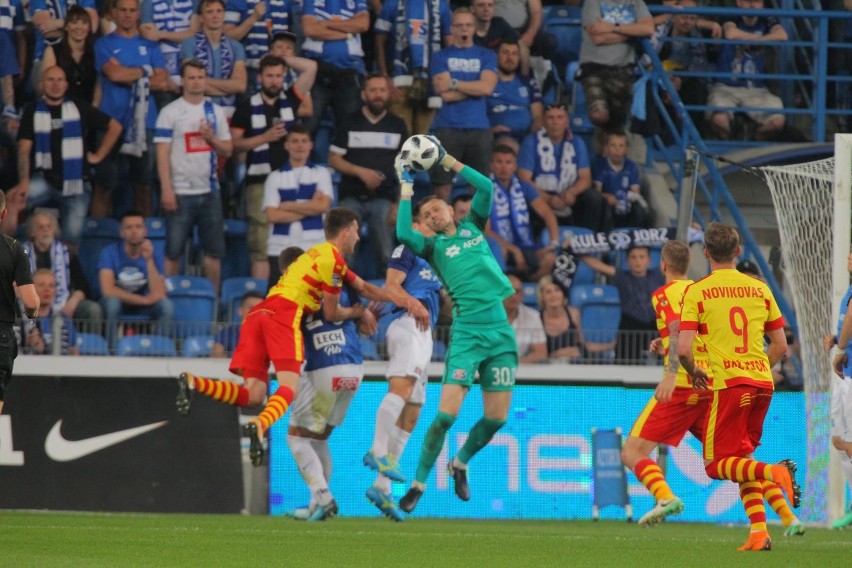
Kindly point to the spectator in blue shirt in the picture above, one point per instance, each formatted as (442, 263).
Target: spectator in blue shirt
(464, 76)
(514, 108)
(617, 177)
(746, 61)
(130, 274)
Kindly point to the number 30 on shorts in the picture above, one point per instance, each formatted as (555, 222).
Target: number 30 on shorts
(504, 376)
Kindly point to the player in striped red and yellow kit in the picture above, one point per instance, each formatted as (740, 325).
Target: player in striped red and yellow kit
(271, 331)
(676, 407)
(731, 312)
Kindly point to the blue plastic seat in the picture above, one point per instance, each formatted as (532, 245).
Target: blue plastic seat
(194, 304)
(97, 233)
(236, 262)
(92, 344)
(233, 290)
(566, 24)
(370, 349)
(198, 346)
(157, 234)
(600, 315)
(146, 346)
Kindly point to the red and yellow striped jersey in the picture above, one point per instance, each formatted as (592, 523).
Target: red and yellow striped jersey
(667, 301)
(731, 311)
(320, 270)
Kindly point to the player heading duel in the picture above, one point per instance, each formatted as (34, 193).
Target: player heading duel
(482, 339)
(272, 332)
(732, 312)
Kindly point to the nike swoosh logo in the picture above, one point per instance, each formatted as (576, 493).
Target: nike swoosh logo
(59, 449)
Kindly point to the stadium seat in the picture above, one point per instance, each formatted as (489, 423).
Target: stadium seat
(233, 290)
(194, 304)
(600, 316)
(565, 23)
(197, 346)
(92, 344)
(530, 296)
(146, 346)
(97, 233)
(236, 262)
(439, 350)
(157, 234)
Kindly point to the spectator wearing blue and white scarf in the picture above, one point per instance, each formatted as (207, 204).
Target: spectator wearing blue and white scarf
(170, 22)
(192, 133)
(52, 151)
(413, 31)
(130, 68)
(224, 58)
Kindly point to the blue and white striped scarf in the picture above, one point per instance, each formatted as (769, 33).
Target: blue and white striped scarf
(72, 144)
(210, 116)
(134, 132)
(259, 157)
(7, 15)
(256, 41)
(172, 15)
(410, 57)
(60, 263)
(204, 54)
(510, 214)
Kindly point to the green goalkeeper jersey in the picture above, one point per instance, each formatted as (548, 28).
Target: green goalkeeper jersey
(463, 261)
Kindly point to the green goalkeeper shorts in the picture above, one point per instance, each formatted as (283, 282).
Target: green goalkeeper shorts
(490, 349)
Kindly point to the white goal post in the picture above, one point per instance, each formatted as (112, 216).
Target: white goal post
(813, 206)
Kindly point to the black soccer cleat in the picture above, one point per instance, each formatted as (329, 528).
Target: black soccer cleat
(410, 499)
(184, 397)
(796, 497)
(256, 444)
(460, 480)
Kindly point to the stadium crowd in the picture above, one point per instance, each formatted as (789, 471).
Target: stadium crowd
(184, 114)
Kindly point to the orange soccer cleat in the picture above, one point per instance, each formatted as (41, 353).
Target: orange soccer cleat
(757, 541)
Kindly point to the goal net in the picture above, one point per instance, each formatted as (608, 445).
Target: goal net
(812, 206)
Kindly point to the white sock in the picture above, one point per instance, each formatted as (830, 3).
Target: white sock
(398, 441)
(324, 455)
(458, 464)
(386, 417)
(396, 445)
(309, 463)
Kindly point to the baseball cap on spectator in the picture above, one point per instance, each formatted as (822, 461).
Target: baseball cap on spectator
(748, 267)
(289, 36)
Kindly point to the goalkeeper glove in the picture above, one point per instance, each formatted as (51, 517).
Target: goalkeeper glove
(403, 174)
(444, 160)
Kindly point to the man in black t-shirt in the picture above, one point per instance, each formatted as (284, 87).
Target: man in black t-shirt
(363, 151)
(53, 154)
(258, 127)
(14, 271)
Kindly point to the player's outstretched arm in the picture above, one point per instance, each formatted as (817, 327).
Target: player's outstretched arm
(404, 300)
(406, 234)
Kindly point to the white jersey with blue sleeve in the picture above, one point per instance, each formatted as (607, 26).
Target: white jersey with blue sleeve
(420, 282)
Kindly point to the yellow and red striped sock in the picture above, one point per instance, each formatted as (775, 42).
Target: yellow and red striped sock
(651, 476)
(751, 494)
(739, 469)
(223, 391)
(275, 407)
(773, 495)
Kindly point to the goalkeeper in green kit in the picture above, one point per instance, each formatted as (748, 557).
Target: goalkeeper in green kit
(482, 339)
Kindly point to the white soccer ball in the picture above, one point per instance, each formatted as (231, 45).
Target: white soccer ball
(419, 153)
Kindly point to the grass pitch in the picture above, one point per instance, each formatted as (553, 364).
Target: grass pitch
(92, 540)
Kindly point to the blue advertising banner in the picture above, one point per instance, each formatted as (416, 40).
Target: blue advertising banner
(539, 466)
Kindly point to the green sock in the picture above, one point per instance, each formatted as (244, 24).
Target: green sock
(432, 444)
(478, 438)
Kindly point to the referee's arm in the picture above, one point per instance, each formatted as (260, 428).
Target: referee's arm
(29, 297)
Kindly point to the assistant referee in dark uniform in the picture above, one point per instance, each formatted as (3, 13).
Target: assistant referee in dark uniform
(14, 271)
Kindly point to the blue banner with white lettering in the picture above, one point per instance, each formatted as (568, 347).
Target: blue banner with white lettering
(539, 466)
(610, 481)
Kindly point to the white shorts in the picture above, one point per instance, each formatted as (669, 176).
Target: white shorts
(841, 408)
(324, 396)
(409, 353)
